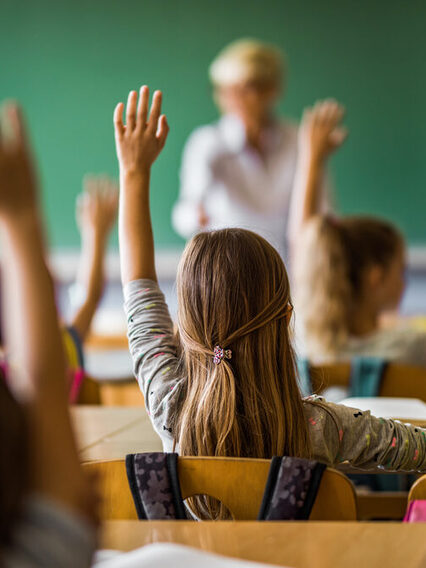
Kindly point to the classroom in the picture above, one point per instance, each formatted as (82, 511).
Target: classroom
(212, 284)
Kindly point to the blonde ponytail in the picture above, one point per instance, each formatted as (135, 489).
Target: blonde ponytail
(323, 292)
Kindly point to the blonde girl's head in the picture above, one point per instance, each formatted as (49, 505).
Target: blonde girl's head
(233, 292)
(340, 265)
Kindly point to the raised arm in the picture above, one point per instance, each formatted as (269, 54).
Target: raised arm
(96, 214)
(320, 134)
(138, 144)
(32, 330)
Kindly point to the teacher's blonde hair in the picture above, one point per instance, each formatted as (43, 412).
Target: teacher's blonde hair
(248, 60)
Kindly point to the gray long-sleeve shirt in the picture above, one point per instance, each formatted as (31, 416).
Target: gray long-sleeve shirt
(337, 433)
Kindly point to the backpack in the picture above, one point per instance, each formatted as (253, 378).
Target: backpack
(290, 490)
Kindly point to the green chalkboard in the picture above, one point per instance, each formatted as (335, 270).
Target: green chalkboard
(69, 62)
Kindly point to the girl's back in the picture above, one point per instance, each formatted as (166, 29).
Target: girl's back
(226, 384)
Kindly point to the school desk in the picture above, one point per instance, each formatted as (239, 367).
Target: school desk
(111, 371)
(105, 433)
(411, 410)
(108, 432)
(297, 544)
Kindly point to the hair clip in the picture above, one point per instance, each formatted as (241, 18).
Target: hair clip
(220, 354)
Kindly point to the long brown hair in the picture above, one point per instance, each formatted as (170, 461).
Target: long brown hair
(331, 260)
(233, 291)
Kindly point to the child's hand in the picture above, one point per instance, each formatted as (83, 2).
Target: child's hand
(141, 140)
(321, 132)
(17, 180)
(96, 209)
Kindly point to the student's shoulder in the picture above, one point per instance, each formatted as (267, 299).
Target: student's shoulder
(317, 406)
(323, 428)
(404, 345)
(331, 416)
(416, 348)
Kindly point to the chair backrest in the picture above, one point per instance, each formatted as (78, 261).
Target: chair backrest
(110, 393)
(219, 478)
(418, 490)
(89, 392)
(399, 380)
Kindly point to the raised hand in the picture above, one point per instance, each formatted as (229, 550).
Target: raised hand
(138, 144)
(97, 206)
(321, 132)
(96, 213)
(32, 331)
(17, 179)
(142, 138)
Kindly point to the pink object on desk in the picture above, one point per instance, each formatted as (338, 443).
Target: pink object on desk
(416, 512)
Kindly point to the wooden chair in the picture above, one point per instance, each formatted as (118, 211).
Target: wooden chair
(110, 393)
(89, 392)
(418, 489)
(219, 478)
(399, 380)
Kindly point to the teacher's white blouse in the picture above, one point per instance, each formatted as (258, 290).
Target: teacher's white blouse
(236, 186)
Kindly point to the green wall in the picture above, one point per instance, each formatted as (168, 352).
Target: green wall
(69, 62)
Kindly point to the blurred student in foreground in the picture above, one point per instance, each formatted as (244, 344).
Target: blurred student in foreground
(47, 513)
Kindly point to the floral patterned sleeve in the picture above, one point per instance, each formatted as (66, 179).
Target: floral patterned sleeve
(154, 352)
(340, 433)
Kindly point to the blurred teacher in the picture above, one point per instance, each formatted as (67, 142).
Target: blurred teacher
(241, 170)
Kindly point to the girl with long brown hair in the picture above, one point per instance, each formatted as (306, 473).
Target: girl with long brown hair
(348, 271)
(226, 385)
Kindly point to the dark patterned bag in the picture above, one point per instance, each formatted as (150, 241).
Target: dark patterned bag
(154, 484)
(290, 490)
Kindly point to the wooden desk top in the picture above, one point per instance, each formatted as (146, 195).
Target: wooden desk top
(107, 433)
(300, 545)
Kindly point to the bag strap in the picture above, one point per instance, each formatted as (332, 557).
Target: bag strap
(366, 376)
(154, 484)
(291, 489)
(304, 372)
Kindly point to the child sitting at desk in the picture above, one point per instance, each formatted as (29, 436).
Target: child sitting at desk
(348, 272)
